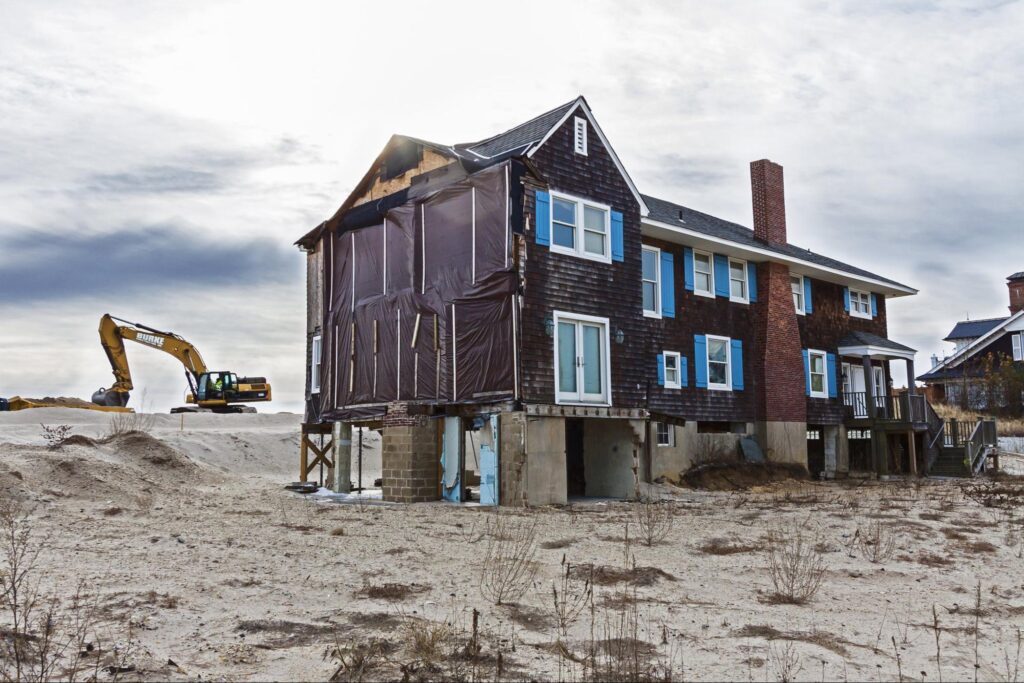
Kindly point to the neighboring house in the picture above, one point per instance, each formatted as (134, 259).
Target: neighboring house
(986, 369)
(521, 322)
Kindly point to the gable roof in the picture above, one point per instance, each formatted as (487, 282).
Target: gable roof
(683, 217)
(943, 368)
(518, 138)
(972, 329)
(861, 338)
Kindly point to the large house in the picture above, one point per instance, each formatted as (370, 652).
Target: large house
(524, 326)
(986, 368)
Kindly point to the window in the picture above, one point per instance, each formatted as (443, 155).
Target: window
(813, 434)
(580, 228)
(581, 359)
(738, 281)
(703, 274)
(719, 370)
(816, 361)
(672, 380)
(651, 281)
(580, 135)
(314, 374)
(1018, 346)
(860, 304)
(666, 434)
(797, 283)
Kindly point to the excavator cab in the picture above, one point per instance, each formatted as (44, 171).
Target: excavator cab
(217, 385)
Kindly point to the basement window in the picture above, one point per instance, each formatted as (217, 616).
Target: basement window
(666, 434)
(580, 135)
(316, 360)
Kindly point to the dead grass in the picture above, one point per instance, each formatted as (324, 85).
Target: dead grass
(820, 638)
(1004, 426)
(610, 576)
(932, 560)
(795, 565)
(729, 546)
(393, 592)
(280, 634)
(558, 545)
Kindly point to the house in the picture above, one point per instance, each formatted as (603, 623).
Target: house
(986, 370)
(524, 326)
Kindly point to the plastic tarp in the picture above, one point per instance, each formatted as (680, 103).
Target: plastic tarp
(420, 306)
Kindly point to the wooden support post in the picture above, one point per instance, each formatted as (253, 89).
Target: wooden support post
(912, 441)
(342, 440)
(303, 458)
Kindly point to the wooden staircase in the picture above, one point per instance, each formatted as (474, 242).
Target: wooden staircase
(958, 449)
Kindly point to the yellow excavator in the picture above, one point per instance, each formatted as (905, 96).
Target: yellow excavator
(210, 391)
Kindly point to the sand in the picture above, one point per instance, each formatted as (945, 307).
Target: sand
(190, 534)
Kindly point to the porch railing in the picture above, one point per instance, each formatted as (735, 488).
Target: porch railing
(902, 408)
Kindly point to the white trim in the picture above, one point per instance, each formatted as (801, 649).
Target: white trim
(888, 288)
(455, 368)
(1017, 345)
(423, 247)
(579, 144)
(811, 354)
(384, 232)
(315, 360)
(656, 313)
(980, 341)
(712, 386)
(353, 269)
(710, 293)
(745, 299)
(515, 349)
(508, 211)
(678, 384)
(579, 236)
(581, 104)
(578, 318)
(472, 196)
(854, 313)
(876, 352)
(802, 309)
(335, 375)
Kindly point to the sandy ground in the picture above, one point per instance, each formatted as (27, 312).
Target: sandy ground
(189, 534)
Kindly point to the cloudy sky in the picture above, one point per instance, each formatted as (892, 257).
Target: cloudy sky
(158, 160)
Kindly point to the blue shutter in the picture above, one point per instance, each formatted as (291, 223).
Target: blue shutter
(661, 369)
(752, 281)
(688, 268)
(543, 218)
(833, 379)
(721, 275)
(874, 305)
(737, 364)
(808, 307)
(668, 285)
(700, 360)
(617, 249)
(846, 299)
(683, 379)
(807, 371)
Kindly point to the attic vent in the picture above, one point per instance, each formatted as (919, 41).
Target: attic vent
(581, 135)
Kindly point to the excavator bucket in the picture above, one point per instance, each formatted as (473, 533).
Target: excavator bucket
(110, 398)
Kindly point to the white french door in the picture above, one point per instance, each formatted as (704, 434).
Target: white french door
(581, 359)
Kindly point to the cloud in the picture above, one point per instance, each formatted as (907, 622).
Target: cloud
(134, 260)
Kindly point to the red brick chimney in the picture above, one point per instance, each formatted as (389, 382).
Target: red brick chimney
(1016, 284)
(769, 201)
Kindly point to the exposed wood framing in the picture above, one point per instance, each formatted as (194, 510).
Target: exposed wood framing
(382, 188)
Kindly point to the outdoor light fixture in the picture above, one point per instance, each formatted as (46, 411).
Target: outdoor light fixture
(620, 336)
(549, 326)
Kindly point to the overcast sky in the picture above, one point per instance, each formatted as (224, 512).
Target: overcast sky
(158, 160)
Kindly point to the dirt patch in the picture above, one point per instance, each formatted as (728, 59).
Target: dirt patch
(933, 560)
(819, 638)
(391, 591)
(279, 635)
(78, 440)
(532, 618)
(140, 447)
(741, 476)
(609, 576)
(379, 620)
(557, 545)
(727, 546)
(62, 401)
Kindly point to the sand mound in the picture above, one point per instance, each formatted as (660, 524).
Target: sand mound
(141, 448)
(739, 476)
(65, 401)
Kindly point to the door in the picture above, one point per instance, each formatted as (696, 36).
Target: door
(581, 361)
(854, 389)
(451, 460)
(576, 483)
(880, 392)
(489, 467)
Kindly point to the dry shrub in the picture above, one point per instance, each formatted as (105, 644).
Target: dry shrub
(795, 565)
(978, 547)
(390, 591)
(356, 662)
(727, 546)
(55, 436)
(609, 576)
(877, 542)
(570, 598)
(122, 424)
(508, 566)
(786, 661)
(621, 654)
(715, 449)
(653, 520)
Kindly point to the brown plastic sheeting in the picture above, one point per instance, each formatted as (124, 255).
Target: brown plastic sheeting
(420, 307)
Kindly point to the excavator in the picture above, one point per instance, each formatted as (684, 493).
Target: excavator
(210, 391)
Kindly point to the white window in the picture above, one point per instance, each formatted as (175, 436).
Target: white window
(582, 365)
(672, 379)
(819, 378)
(797, 283)
(316, 360)
(580, 137)
(703, 274)
(1018, 346)
(719, 364)
(738, 281)
(860, 304)
(651, 258)
(580, 228)
(666, 434)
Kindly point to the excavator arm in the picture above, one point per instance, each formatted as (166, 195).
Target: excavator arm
(112, 336)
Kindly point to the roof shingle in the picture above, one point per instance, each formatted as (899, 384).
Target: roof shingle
(972, 329)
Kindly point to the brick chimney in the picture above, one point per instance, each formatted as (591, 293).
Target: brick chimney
(769, 202)
(1016, 284)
